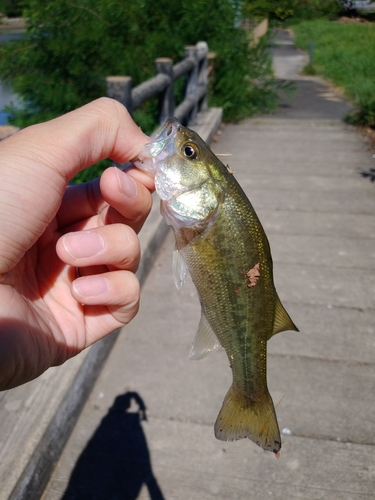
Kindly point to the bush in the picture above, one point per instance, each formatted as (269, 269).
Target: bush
(365, 114)
(11, 8)
(70, 47)
(315, 9)
(293, 10)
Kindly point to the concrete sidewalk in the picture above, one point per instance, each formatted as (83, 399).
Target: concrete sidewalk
(146, 430)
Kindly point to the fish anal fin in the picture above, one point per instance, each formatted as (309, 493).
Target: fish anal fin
(205, 340)
(240, 417)
(282, 321)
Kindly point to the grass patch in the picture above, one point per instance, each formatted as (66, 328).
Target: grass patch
(309, 70)
(344, 54)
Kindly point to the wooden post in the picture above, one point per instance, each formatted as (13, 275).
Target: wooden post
(192, 82)
(202, 48)
(194, 68)
(164, 65)
(120, 88)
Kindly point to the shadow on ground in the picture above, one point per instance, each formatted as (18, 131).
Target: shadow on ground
(116, 462)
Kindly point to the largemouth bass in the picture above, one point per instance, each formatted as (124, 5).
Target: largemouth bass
(221, 242)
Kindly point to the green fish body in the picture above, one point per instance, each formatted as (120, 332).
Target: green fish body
(221, 242)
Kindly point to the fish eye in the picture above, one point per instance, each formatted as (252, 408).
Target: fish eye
(190, 150)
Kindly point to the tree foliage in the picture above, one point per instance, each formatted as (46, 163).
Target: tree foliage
(11, 8)
(291, 9)
(71, 46)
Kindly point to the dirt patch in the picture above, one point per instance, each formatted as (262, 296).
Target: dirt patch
(353, 20)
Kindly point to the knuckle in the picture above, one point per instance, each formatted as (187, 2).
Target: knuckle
(133, 291)
(132, 250)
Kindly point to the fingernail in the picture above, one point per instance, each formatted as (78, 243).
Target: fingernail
(83, 244)
(127, 185)
(90, 286)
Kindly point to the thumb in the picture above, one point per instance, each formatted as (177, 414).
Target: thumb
(37, 163)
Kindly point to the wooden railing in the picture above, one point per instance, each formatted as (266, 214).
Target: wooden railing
(195, 69)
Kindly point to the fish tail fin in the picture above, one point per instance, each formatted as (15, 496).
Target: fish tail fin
(240, 417)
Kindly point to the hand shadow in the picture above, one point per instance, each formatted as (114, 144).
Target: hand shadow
(116, 462)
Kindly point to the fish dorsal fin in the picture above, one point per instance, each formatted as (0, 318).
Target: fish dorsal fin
(205, 340)
(282, 321)
(179, 268)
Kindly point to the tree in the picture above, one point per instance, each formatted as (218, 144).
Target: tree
(295, 9)
(70, 46)
(11, 8)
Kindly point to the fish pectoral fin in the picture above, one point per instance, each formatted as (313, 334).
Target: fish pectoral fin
(205, 340)
(179, 268)
(282, 321)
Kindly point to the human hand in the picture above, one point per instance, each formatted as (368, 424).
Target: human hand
(48, 312)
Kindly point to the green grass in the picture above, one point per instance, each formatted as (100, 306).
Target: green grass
(345, 55)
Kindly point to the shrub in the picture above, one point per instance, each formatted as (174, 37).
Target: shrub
(11, 8)
(293, 10)
(70, 47)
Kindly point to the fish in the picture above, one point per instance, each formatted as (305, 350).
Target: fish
(220, 241)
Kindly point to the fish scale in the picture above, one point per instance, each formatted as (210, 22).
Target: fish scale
(221, 242)
(234, 311)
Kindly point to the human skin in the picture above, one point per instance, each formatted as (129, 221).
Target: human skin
(67, 254)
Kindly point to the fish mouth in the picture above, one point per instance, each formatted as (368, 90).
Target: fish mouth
(157, 150)
(170, 127)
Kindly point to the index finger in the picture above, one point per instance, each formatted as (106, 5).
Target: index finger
(38, 162)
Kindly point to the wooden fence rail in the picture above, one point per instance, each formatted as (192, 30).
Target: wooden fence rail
(195, 69)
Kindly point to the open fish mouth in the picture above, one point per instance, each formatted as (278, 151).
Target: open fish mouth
(156, 151)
